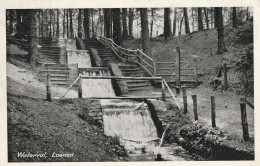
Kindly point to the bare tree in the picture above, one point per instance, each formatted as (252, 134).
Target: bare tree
(167, 23)
(200, 23)
(234, 14)
(220, 30)
(145, 31)
(86, 23)
(64, 15)
(124, 20)
(68, 32)
(79, 22)
(58, 24)
(107, 20)
(71, 24)
(187, 27)
(130, 22)
(174, 22)
(117, 26)
(206, 17)
(32, 51)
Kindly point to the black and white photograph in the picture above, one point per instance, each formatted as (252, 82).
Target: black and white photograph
(130, 84)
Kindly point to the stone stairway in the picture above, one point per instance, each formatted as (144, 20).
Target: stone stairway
(103, 51)
(59, 74)
(49, 54)
(133, 70)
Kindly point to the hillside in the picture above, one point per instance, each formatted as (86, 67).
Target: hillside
(203, 45)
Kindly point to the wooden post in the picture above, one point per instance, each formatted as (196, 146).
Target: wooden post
(48, 87)
(225, 76)
(194, 98)
(156, 33)
(213, 113)
(163, 91)
(245, 78)
(80, 87)
(185, 104)
(196, 71)
(154, 67)
(244, 119)
(178, 71)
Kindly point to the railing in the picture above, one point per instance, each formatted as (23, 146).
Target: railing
(135, 56)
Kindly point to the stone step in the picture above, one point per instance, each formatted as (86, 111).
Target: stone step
(138, 85)
(139, 88)
(135, 81)
(55, 64)
(49, 51)
(128, 66)
(137, 69)
(53, 71)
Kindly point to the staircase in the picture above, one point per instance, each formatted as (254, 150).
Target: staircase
(133, 70)
(59, 74)
(49, 54)
(103, 51)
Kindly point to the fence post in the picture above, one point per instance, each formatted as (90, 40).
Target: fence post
(245, 78)
(80, 88)
(244, 119)
(163, 90)
(225, 76)
(178, 73)
(48, 87)
(196, 71)
(213, 113)
(154, 67)
(185, 104)
(194, 98)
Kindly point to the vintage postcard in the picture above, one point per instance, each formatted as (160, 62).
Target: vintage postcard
(156, 82)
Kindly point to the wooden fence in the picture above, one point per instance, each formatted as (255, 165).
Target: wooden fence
(177, 71)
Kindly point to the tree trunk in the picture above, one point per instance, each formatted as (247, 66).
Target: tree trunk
(124, 20)
(58, 24)
(11, 21)
(53, 25)
(174, 22)
(39, 22)
(247, 14)
(206, 17)
(130, 22)
(167, 23)
(117, 26)
(33, 50)
(234, 14)
(212, 17)
(68, 32)
(107, 23)
(86, 23)
(200, 23)
(180, 29)
(71, 24)
(151, 26)
(18, 20)
(220, 30)
(92, 18)
(187, 27)
(50, 22)
(192, 15)
(79, 23)
(145, 32)
(63, 25)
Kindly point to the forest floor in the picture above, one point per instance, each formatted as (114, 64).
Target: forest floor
(204, 46)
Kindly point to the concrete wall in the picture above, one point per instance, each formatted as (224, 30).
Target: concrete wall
(96, 57)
